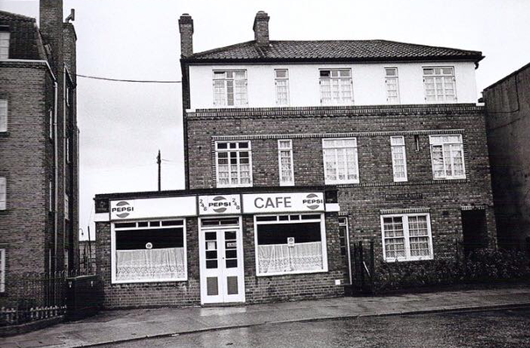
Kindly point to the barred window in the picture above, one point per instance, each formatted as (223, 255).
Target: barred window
(282, 86)
(439, 84)
(285, 159)
(407, 237)
(340, 161)
(399, 158)
(447, 155)
(234, 164)
(392, 85)
(230, 88)
(336, 87)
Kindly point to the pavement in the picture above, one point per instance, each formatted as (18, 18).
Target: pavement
(127, 325)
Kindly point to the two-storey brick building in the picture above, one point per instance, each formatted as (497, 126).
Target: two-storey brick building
(38, 146)
(295, 150)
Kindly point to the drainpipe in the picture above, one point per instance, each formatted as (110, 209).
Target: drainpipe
(56, 172)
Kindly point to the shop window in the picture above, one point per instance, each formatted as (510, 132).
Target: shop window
(282, 86)
(439, 83)
(234, 164)
(399, 158)
(340, 161)
(447, 155)
(230, 88)
(285, 159)
(3, 115)
(2, 270)
(336, 87)
(3, 193)
(406, 237)
(296, 245)
(392, 85)
(150, 254)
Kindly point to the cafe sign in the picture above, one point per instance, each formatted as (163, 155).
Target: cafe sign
(283, 202)
(219, 205)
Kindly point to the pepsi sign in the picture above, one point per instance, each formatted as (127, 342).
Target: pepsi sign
(220, 204)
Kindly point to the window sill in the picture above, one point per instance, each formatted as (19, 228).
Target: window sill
(228, 186)
(342, 182)
(450, 178)
(290, 273)
(425, 258)
(119, 282)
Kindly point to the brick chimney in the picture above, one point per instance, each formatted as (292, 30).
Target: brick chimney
(186, 35)
(51, 28)
(261, 28)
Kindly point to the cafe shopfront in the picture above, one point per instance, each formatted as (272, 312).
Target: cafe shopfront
(185, 247)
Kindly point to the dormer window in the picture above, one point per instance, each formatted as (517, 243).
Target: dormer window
(230, 88)
(4, 44)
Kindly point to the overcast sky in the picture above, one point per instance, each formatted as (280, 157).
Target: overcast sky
(124, 124)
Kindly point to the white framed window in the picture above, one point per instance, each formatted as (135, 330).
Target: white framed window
(406, 237)
(392, 85)
(290, 244)
(447, 156)
(440, 84)
(399, 158)
(281, 81)
(336, 87)
(3, 193)
(234, 164)
(4, 44)
(149, 251)
(3, 115)
(285, 161)
(340, 160)
(66, 207)
(230, 88)
(50, 123)
(50, 195)
(2, 270)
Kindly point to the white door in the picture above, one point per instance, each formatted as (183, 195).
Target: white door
(221, 260)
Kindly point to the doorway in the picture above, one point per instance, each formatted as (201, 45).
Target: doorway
(475, 230)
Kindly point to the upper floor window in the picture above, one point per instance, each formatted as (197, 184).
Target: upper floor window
(285, 159)
(447, 155)
(392, 85)
(3, 115)
(336, 87)
(282, 86)
(340, 161)
(3, 193)
(234, 164)
(399, 158)
(2, 270)
(439, 84)
(230, 88)
(4, 44)
(406, 237)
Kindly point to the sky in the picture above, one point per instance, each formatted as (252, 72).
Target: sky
(123, 125)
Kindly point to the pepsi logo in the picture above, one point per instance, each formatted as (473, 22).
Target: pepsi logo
(122, 209)
(220, 204)
(312, 201)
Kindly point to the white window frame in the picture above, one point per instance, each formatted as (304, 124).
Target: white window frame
(406, 237)
(50, 119)
(237, 150)
(4, 113)
(224, 102)
(288, 149)
(66, 207)
(388, 85)
(393, 149)
(440, 95)
(289, 221)
(450, 144)
(331, 78)
(2, 270)
(113, 258)
(277, 82)
(3, 193)
(5, 37)
(335, 148)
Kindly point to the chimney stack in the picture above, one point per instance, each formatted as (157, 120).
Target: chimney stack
(186, 35)
(261, 28)
(51, 28)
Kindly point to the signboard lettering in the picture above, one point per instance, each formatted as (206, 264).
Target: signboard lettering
(221, 204)
(283, 202)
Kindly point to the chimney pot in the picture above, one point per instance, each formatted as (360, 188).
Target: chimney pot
(186, 35)
(261, 28)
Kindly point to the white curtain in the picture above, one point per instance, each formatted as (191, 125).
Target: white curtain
(281, 258)
(150, 264)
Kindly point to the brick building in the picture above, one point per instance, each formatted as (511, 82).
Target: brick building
(508, 107)
(294, 151)
(38, 145)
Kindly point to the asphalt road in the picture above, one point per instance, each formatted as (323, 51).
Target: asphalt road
(495, 329)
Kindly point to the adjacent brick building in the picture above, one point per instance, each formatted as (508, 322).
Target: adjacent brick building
(305, 148)
(38, 146)
(508, 107)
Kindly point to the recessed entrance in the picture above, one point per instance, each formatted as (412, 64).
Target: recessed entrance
(475, 230)
(221, 260)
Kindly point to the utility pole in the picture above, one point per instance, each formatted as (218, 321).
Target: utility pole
(159, 161)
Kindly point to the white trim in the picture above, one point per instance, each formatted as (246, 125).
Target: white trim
(347, 241)
(322, 240)
(291, 155)
(406, 238)
(113, 251)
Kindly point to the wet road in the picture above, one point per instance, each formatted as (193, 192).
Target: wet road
(495, 329)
